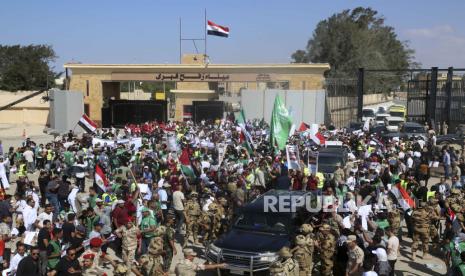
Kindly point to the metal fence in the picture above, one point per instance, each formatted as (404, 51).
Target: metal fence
(341, 101)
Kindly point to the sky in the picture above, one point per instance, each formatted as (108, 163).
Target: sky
(261, 31)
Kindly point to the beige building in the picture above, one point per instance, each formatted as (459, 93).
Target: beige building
(181, 84)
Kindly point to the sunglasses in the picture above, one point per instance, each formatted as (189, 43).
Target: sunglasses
(34, 254)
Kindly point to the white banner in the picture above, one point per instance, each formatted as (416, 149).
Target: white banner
(137, 142)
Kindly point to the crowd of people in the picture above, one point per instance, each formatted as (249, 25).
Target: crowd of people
(78, 197)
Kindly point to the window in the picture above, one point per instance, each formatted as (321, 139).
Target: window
(87, 88)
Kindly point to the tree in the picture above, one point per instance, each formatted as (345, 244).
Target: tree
(26, 67)
(358, 38)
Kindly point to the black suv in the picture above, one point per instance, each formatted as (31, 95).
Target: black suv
(256, 236)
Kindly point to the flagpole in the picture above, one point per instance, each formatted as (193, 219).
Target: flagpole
(205, 35)
(180, 41)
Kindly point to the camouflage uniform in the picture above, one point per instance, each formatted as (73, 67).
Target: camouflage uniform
(434, 214)
(205, 225)
(289, 265)
(276, 269)
(150, 265)
(327, 246)
(129, 242)
(215, 212)
(421, 224)
(193, 213)
(394, 219)
(167, 238)
(303, 256)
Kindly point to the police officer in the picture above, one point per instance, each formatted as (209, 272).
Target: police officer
(193, 213)
(421, 224)
(303, 256)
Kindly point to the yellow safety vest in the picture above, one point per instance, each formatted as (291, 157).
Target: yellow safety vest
(403, 184)
(306, 171)
(321, 180)
(21, 170)
(49, 154)
(249, 180)
(430, 194)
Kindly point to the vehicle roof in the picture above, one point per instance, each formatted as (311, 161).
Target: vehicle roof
(332, 150)
(258, 203)
(397, 107)
(383, 115)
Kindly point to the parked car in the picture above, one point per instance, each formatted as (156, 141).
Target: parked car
(379, 119)
(330, 158)
(457, 138)
(381, 110)
(253, 242)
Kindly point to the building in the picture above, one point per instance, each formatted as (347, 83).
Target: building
(181, 86)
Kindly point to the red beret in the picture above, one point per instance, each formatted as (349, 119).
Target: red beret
(88, 256)
(96, 242)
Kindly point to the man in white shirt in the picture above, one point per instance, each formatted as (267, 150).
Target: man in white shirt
(30, 216)
(47, 214)
(29, 156)
(21, 253)
(392, 248)
(178, 205)
(163, 196)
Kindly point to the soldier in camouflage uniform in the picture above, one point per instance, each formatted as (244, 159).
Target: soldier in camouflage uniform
(148, 266)
(214, 211)
(454, 198)
(421, 223)
(276, 269)
(128, 234)
(303, 256)
(205, 226)
(168, 243)
(326, 243)
(289, 265)
(394, 219)
(434, 211)
(193, 213)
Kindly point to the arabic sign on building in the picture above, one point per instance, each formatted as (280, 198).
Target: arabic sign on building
(194, 77)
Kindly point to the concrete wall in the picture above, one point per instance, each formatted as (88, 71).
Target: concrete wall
(32, 111)
(375, 99)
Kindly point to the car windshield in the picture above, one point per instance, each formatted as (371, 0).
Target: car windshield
(380, 118)
(267, 222)
(394, 123)
(368, 113)
(396, 113)
(414, 129)
(329, 160)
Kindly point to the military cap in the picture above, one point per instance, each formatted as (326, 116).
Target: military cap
(189, 252)
(194, 194)
(325, 227)
(300, 240)
(455, 191)
(121, 269)
(306, 228)
(285, 252)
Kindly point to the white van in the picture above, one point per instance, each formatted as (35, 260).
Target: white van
(393, 123)
(379, 119)
(368, 113)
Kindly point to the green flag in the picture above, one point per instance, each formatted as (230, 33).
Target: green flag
(246, 138)
(281, 124)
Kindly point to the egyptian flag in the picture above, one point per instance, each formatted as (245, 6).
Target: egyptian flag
(100, 178)
(303, 127)
(403, 198)
(87, 124)
(214, 29)
(316, 136)
(451, 214)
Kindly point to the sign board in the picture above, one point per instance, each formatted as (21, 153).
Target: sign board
(195, 77)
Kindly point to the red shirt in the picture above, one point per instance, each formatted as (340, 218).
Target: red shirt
(120, 215)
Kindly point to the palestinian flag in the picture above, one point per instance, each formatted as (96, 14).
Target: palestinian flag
(186, 168)
(215, 29)
(100, 178)
(87, 124)
(245, 137)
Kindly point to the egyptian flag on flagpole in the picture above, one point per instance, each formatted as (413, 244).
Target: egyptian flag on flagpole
(100, 178)
(316, 136)
(303, 127)
(87, 124)
(215, 29)
(403, 198)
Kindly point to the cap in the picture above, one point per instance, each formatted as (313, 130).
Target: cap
(98, 200)
(120, 201)
(194, 194)
(455, 191)
(351, 238)
(300, 240)
(166, 185)
(285, 252)
(189, 252)
(98, 223)
(88, 256)
(306, 228)
(96, 242)
(81, 229)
